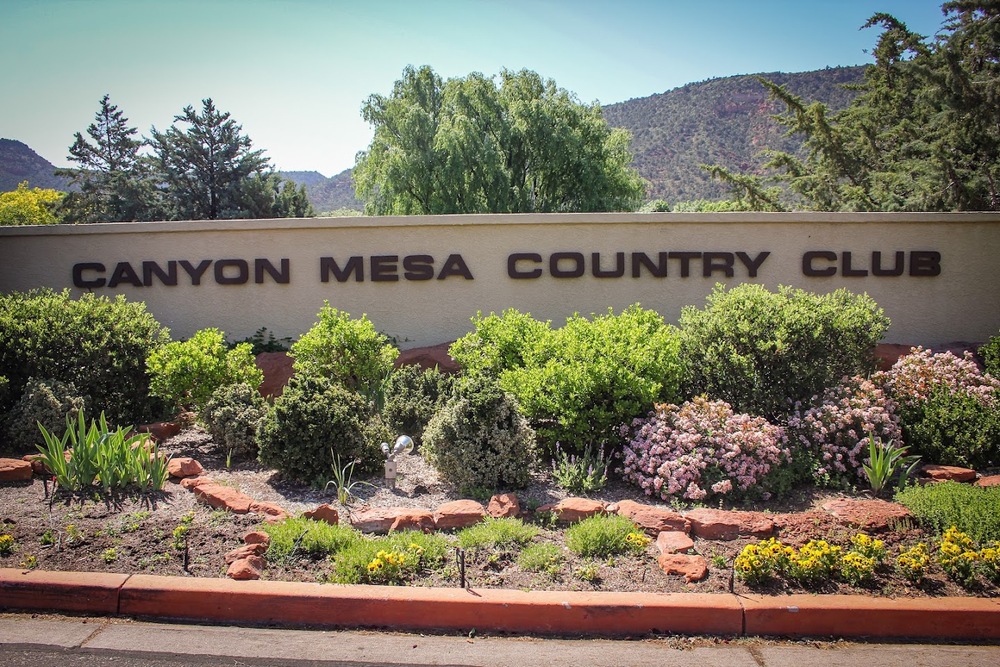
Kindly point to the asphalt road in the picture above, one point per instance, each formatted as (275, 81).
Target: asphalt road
(33, 641)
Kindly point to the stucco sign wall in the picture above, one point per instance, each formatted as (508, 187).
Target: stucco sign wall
(421, 279)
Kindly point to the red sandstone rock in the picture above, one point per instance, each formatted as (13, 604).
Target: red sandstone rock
(257, 537)
(161, 431)
(710, 524)
(245, 551)
(379, 519)
(991, 480)
(428, 357)
(673, 542)
(413, 520)
(15, 470)
(571, 510)
(324, 513)
(692, 568)
(458, 514)
(277, 369)
(272, 513)
(503, 505)
(652, 519)
(873, 515)
(192, 483)
(948, 473)
(246, 569)
(184, 466)
(223, 497)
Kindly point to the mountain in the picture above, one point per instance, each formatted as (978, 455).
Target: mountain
(725, 121)
(327, 194)
(20, 163)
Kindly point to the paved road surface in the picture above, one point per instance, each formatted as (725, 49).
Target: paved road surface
(27, 641)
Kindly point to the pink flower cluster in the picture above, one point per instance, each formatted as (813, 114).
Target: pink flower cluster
(914, 377)
(832, 429)
(700, 449)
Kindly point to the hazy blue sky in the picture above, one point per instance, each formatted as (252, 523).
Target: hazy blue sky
(295, 72)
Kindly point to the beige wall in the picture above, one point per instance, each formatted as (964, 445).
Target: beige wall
(961, 303)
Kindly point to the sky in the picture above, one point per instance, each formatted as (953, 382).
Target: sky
(294, 73)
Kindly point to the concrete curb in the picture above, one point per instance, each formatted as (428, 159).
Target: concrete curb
(543, 612)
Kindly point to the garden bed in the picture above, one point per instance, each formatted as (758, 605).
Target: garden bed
(172, 533)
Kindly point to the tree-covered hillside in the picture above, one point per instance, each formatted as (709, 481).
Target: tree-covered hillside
(19, 163)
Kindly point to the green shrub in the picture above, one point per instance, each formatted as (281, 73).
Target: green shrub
(47, 402)
(990, 352)
(347, 351)
(479, 439)
(185, 373)
(602, 536)
(972, 509)
(953, 428)
(494, 533)
(298, 536)
(97, 344)
(762, 351)
(312, 421)
(412, 397)
(579, 383)
(232, 416)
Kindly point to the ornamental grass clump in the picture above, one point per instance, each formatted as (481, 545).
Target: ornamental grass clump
(829, 435)
(603, 536)
(491, 533)
(392, 560)
(702, 449)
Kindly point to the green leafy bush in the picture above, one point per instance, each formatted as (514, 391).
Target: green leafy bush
(47, 402)
(602, 536)
(953, 428)
(990, 352)
(761, 351)
(232, 415)
(312, 421)
(579, 383)
(971, 509)
(348, 351)
(185, 373)
(97, 344)
(412, 397)
(480, 440)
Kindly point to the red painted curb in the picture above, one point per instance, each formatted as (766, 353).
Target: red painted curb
(544, 612)
(94, 592)
(858, 616)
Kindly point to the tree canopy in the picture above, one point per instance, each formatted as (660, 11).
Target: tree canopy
(924, 134)
(514, 143)
(29, 206)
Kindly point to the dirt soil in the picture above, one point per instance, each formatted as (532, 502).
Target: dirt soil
(135, 533)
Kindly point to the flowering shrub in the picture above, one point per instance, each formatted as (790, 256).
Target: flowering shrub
(829, 435)
(947, 408)
(701, 449)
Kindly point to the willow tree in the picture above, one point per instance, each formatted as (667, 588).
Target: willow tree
(514, 143)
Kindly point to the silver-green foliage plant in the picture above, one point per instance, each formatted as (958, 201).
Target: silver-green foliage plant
(348, 351)
(47, 402)
(579, 383)
(186, 373)
(114, 459)
(232, 415)
(762, 351)
(480, 440)
(412, 397)
(313, 421)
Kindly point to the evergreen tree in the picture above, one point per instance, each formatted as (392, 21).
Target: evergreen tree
(204, 169)
(272, 196)
(472, 145)
(113, 178)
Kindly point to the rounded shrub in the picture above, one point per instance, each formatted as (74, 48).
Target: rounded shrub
(97, 344)
(499, 343)
(46, 402)
(990, 352)
(232, 415)
(701, 449)
(413, 396)
(761, 351)
(479, 440)
(185, 373)
(348, 351)
(313, 421)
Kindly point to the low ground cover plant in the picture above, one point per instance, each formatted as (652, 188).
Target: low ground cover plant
(186, 373)
(972, 509)
(703, 449)
(761, 351)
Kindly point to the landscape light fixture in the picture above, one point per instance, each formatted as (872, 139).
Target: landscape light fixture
(403, 445)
